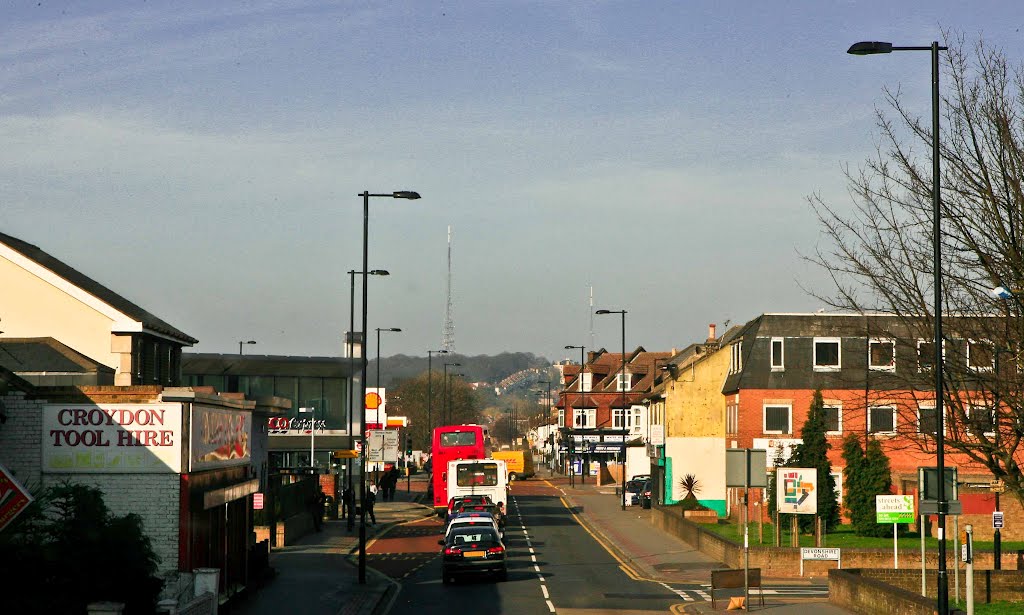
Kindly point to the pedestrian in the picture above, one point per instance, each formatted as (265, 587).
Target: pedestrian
(316, 508)
(369, 498)
(348, 502)
(392, 484)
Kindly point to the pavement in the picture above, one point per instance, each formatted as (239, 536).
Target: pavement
(318, 575)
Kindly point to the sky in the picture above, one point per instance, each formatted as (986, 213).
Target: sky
(205, 159)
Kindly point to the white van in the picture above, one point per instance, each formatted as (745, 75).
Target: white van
(479, 477)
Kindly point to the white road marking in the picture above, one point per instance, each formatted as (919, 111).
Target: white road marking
(544, 590)
(551, 607)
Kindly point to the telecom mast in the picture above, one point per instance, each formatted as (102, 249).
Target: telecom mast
(448, 335)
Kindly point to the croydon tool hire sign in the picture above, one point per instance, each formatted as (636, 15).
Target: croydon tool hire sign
(112, 438)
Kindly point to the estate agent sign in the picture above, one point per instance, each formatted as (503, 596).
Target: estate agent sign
(13, 497)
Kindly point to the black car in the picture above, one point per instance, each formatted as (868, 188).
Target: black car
(472, 551)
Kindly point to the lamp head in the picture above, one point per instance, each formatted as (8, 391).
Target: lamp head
(867, 48)
(603, 312)
(406, 194)
(379, 272)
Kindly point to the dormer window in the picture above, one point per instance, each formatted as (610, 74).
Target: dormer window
(585, 382)
(826, 354)
(623, 382)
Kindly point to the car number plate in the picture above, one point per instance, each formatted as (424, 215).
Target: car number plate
(474, 554)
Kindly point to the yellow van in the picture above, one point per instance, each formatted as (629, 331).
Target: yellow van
(520, 463)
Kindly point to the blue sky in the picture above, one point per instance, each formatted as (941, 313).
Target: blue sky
(204, 159)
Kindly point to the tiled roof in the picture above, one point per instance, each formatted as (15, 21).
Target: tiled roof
(94, 288)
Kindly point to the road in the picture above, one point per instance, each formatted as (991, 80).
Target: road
(555, 565)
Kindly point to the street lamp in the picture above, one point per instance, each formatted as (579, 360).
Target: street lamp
(240, 345)
(430, 397)
(871, 48)
(352, 358)
(444, 392)
(579, 380)
(312, 436)
(379, 329)
(622, 387)
(401, 194)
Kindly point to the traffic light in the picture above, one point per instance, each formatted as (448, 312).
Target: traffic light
(408, 445)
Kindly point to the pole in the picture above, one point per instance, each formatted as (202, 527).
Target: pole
(352, 372)
(970, 568)
(362, 387)
(924, 584)
(624, 411)
(940, 441)
(895, 549)
(746, 536)
(956, 558)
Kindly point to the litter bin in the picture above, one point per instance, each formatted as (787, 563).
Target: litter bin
(646, 502)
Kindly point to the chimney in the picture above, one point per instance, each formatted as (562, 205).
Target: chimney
(711, 333)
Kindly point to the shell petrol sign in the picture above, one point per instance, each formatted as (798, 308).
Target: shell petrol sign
(373, 400)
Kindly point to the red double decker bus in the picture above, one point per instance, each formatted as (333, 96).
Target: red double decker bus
(448, 443)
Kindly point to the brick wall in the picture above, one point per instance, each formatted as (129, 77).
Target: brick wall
(785, 561)
(853, 591)
(20, 437)
(897, 592)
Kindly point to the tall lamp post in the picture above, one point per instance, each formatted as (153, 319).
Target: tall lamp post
(579, 380)
(444, 391)
(871, 48)
(623, 385)
(401, 194)
(352, 356)
(430, 396)
(240, 343)
(379, 329)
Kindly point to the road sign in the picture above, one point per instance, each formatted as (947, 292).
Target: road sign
(894, 509)
(738, 473)
(931, 507)
(997, 520)
(13, 497)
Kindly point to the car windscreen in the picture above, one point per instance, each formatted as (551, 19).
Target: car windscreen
(472, 535)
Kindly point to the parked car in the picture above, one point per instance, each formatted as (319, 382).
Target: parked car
(472, 551)
(638, 493)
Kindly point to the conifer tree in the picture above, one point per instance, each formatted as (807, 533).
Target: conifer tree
(813, 453)
(867, 474)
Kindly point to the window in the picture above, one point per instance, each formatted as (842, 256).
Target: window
(635, 422)
(561, 417)
(778, 419)
(476, 474)
(778, 363)
(458, 438)
(927, 420)
(586, 381)
(838, 476)
(623, 382)
(584, 418)
(732, 418)
(826, 354)
(617, 422)
(981, 420)
(833, 420)
(882, 419)
(926, 354)
(882, 355)
(736, 357)
(981, 355)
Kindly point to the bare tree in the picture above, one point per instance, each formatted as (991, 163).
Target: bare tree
(880, 252)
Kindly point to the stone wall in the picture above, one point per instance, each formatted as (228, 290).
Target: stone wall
(989, 585)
